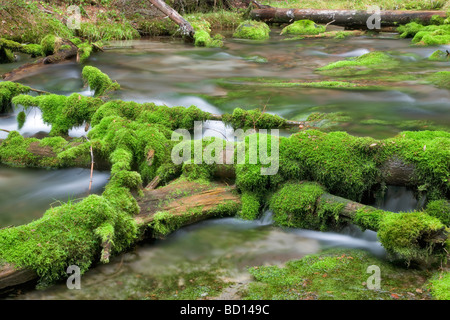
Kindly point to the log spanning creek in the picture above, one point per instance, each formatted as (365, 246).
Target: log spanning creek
(167, 71)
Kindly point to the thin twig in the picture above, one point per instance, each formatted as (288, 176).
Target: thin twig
(5, 130)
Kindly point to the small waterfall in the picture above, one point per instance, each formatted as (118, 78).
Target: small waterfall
(266, 218)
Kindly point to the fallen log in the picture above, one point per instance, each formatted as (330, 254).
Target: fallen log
(179, 200)
(351, 19)
(185, 27)
(58, 57)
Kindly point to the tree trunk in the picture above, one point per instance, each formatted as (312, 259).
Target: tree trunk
(351, 19)
(185, 27)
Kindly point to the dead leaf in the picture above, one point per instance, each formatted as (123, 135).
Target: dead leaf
(393, 295)
(419, 291)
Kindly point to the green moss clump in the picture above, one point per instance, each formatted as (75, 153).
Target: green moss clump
(369, 218)
(295, 204)
(70, 234)
(85, 49)
(21, 118)
(369, 62)
(48, 44)
(427, 151)
(14, 150)
(253, 30)
(8, 90)
(301, 27)
(401, 234)
(251, 206)
(439, 209)
(61, 112)
(439, 55)
(440, 285)
(426, 35)
(243, 119)
(98, 81)
(35, 50)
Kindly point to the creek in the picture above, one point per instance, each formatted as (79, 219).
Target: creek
(168, 71)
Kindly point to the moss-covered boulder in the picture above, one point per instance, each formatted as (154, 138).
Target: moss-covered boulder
(439, 55)
(254, 30)
(303, 27)
(364, 64)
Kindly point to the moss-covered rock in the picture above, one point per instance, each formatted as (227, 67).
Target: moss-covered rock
(303, 27)
(254, 30)
(439, 55)
(364, 64)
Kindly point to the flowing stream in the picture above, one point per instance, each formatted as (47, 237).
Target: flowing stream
(167, 71)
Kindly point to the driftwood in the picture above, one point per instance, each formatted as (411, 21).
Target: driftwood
(185, 27)
(351, 19)
(26, 69)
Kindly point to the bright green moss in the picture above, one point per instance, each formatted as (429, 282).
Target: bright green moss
(429, 152)
(401, 235)
(439, 55)
(368, 62)
(243, 119)
(85, 50)
(253, 30)
(21, 118)
(98, 81)
(341, 163)
(70, 234)
(301, 27)
(294, 205)
(14, 150)
(35, 50)
(426, 35)
(61, 112)
(250, 206)
(440, 285)
(8, 90)
(369, 218)
(439, 209)
(48, 44)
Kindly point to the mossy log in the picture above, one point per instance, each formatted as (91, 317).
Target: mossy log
(60, 56)
(181, 202)
(351, 19)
